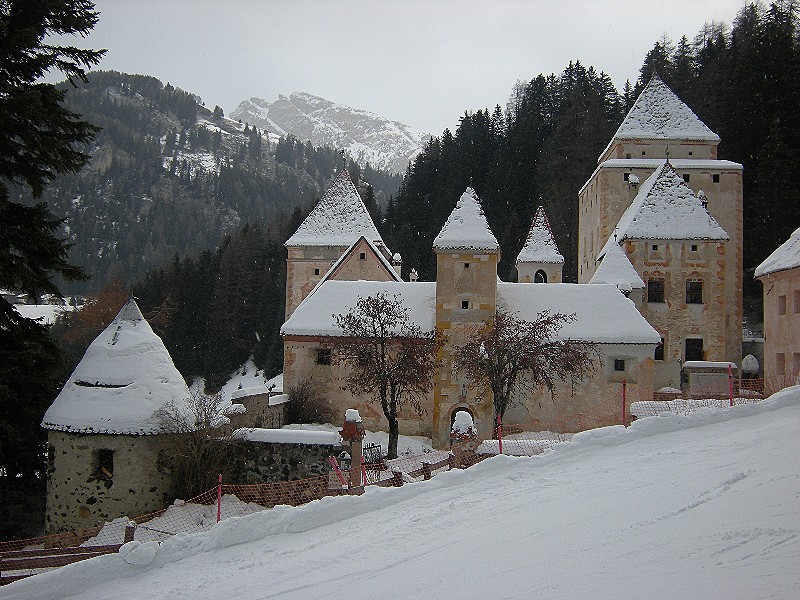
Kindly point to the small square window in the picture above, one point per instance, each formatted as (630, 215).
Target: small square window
(466, 265)
(694, 349)
(694, 292)
(362, 256)
(316, 271)
(627, 156)
(686, 177)
(323, 356)
(694, 247)
(655, 290)
(715, 178)
(782, 305)
(654, 247)
(626, 176)
(619, 364)
(690, 152)
(659, 352)
(644, 153)
(465, 304)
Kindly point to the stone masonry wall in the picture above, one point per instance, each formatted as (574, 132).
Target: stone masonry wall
(258, 462)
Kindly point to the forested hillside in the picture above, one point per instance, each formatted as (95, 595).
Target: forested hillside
(742, 81)
(169, 176)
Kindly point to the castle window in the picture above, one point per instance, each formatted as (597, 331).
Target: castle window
(694, 349)
(655, 290)
(619, 364)
(465, 304)
(323, 356)
(659, 352)
(644, 153)
(715, 178)
(104, 463)
(316, 271)
(694, 247)
(694, 292)
(655, 247)
(690, 152)
(782, 305)
(362, 256)
(540, 277)
(686, 177)
(466, 265)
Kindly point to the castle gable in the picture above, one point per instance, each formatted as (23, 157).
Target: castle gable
(540, 245)
(667, 209)
(338, 219)
(122, 381)
(466, 228)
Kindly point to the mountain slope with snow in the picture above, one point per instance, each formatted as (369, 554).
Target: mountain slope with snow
(698, 506)
(367, 137)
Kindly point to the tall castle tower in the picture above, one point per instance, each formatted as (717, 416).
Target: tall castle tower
(467, 254)
(660, 126)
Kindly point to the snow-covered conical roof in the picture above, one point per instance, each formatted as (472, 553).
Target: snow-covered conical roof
(338, 219)
(666, 209)
(122, 381)
(617, 269)
(785, 256)
(466, 227)
(658, 114)
(540, 246)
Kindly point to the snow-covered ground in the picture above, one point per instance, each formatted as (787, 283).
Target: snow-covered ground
(705, 505)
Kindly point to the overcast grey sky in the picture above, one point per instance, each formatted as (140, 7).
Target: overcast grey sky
(421, 62)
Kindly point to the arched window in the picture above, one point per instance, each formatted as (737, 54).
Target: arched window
(540, 277)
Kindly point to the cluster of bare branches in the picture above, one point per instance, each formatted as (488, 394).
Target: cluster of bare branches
(513, 357)
(387, 356)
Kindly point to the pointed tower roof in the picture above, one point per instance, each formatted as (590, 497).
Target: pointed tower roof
(616, 269)
(658, 114)
(466, 227)
(666, 209)
(540, 247)
(338, 219)
(124, 378)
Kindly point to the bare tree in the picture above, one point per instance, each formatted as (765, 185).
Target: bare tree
(200, 445)
(511, 356)
(387, 356)
(308, 403)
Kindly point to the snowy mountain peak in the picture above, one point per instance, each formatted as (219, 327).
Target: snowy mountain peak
(368, 137)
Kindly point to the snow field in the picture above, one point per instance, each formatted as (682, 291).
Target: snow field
(702, 505)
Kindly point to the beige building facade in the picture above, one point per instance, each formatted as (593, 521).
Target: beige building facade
(780, 277)
(661, 127)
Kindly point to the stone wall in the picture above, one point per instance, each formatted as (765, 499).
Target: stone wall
(79, 495)
(259, 462)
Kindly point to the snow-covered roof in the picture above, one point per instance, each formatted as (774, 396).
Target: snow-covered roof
(124, 378)
(658, 114)
(315, 316)
(616, 269)
(338, 219)
(603, 315)
(666, 209)
(288, 436)
(540, 246)
(786, 256)
(466, 227)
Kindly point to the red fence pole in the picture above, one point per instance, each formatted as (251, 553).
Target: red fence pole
(624, 394)
(730, 382)
(219, 498)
